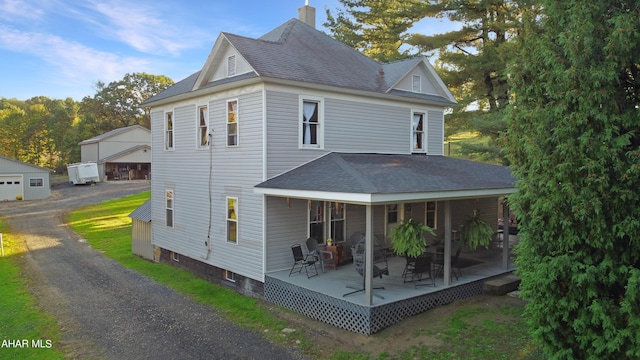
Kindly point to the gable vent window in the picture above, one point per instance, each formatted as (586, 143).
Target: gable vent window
(231, 65)
(417, 83)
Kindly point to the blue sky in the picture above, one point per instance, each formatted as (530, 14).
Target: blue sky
(61, 48)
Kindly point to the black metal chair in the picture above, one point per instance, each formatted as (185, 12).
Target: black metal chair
(321, 256)
(422, 267)
(380, 267)
(302, 261)
(439, 263)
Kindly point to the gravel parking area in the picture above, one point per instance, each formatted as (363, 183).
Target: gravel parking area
(108, 312)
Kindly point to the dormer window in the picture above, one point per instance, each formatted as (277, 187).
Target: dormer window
(417, 83)
(231, 65)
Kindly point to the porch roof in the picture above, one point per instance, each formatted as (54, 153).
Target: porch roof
(386, 178)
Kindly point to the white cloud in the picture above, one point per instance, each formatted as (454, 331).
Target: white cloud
(69, 59)
(12, 10)
(143, 27)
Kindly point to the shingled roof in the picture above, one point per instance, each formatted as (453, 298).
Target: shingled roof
(386, 177)
(295, 51)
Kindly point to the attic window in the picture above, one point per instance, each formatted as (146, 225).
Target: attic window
(231, 65)
(417, 83)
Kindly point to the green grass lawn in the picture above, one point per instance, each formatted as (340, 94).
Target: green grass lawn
(21, 321)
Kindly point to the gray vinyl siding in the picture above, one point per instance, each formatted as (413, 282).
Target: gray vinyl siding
(349, 126)
(365, 127)
(282, 134)
(235, 170)
(435, 132)
(286, 225)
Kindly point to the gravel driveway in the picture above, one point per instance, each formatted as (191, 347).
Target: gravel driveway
(108, 312)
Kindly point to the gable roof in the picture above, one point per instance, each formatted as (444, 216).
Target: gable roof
(295, 51)
(377, 178)
(26, 164)
(142, 212)
(124, 152)
(112, 133)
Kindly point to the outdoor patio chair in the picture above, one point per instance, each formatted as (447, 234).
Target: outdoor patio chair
(301, 261)
(380, 267)
(409, 266)
(422, 270)
(321, 256)
(439, 263)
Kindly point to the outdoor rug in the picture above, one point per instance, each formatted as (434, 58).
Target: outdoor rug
(464, 263)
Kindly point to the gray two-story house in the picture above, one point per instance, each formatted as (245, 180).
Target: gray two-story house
(295, 135)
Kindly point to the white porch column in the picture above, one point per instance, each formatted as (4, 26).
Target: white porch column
(505, 235)
(368, 271)
(447, 243)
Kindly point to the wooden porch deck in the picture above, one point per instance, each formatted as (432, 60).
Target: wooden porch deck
(321, 297)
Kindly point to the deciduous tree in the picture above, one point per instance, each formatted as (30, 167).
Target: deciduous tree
(574, 142)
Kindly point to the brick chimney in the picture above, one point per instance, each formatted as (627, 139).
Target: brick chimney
(307, 14)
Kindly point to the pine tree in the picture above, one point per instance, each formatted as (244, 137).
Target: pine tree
(574, 142)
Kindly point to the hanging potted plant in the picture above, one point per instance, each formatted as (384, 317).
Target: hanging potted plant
(409, 238)
(476, 232)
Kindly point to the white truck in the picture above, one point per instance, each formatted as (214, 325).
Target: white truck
(83, 173)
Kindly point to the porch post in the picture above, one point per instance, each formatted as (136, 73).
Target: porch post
(447, 243)
(505, 235)
(368, 271)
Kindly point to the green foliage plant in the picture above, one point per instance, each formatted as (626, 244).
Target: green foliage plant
(574, 143)
(476, 232)
(409, 238)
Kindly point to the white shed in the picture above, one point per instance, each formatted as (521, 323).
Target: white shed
(121, 154)
(23, 181)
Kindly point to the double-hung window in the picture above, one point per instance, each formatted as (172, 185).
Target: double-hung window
(316, 220)
(418, 137)
(338, 228)
(232, 220)
(232, 123)
(203, 127)
(169, 207)
(431, 214)
(311, 123)
(168, 131)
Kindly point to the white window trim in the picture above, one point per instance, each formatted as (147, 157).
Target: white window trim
(198, 128)
(166, 131)
(232, 65)
(36, 178)
(230, 276)
(321, 123)
(435, 214)
(227, 219)
(343, 219)
(425, 117)
(167, 193)
(413, 81)
(226, 119)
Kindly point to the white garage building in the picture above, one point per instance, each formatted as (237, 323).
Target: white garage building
(20, 180)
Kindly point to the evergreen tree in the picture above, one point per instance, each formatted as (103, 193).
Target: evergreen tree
(472, 62)
(376, 28)
(574, 142)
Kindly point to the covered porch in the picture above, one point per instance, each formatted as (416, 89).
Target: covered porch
(367, 187)
(323, 297)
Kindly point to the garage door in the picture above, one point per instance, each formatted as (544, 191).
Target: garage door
(10, 187)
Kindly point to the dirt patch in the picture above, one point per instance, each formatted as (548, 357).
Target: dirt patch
(419, 330)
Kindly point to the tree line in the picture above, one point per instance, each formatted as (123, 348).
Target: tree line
(46, 132)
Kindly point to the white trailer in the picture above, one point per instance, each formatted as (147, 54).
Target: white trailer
(83, 173)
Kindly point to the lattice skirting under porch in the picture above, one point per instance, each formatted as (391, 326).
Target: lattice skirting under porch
(357, 318)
